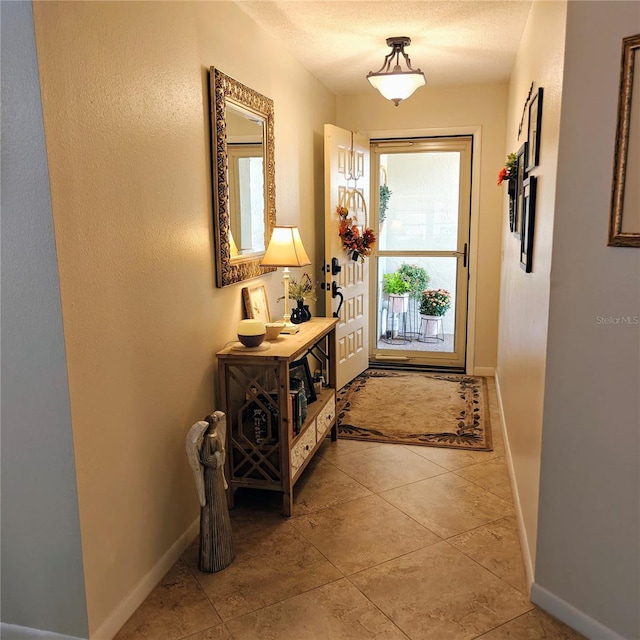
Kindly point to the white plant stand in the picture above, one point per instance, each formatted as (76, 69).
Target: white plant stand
(431, 329)
(396, 325)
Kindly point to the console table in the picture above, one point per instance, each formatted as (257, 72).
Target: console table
(268, 447)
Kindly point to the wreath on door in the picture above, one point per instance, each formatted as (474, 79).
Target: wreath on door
(358, 244)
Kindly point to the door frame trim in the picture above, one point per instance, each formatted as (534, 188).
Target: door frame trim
(474, 222)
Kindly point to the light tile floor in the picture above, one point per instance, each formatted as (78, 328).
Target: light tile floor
(386, 541)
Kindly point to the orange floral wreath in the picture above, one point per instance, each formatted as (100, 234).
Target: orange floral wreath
(358, 245)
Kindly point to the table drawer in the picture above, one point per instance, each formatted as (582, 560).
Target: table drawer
(325, 418)
(301, 449)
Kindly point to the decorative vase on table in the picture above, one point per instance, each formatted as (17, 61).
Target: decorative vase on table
(306, 313)
(297, 313)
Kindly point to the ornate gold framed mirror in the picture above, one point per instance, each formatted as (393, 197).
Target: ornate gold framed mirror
(244, 210)
(624, 223)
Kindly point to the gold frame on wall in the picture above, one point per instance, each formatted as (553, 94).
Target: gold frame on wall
(627, 138)
(224, 89)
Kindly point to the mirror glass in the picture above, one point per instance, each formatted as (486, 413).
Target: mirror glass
(245, 135)
(244, 178)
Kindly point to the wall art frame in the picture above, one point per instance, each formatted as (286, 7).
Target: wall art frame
(624, 220)
(521, 176)
(300, 370)
(256, 305)
(529, 188)
(533, 130)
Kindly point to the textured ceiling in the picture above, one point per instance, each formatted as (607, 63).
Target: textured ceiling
(454, 42)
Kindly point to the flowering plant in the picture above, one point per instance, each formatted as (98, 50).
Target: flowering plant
(303, 290)
(435, 302)
(509, 169)
(357, 244)
(416, 276)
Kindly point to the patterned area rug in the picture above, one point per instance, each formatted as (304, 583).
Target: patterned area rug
(434, 410)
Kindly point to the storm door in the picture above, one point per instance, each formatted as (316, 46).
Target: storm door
(419, 277)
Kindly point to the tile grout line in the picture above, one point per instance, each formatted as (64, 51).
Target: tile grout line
(447, 540)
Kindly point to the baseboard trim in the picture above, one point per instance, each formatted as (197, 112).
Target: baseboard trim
(487, 372)
(524, 541)
(16, 632)
(571, 616)
(125, 609)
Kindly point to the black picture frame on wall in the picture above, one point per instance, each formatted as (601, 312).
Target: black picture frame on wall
(521, 176)
(528, 223)
(534, 129)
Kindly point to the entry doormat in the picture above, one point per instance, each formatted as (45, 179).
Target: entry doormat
(433, 410)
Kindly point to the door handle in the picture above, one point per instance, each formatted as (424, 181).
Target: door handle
(336, 294)
(462, 253)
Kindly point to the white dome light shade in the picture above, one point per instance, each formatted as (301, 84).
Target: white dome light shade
(396, 84)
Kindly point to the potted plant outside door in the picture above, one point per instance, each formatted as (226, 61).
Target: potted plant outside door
(397, 288)
(434, 303)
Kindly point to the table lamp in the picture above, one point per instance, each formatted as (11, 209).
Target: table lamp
(286, 250)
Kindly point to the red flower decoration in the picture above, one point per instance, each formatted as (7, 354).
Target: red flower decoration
(358, 245)
(509, 168)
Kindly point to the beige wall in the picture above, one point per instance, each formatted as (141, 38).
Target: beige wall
(588, 557)
(524, 297)
(125, 102)
(434, 111)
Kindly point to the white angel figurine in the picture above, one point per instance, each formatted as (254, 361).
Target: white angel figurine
(205, 445)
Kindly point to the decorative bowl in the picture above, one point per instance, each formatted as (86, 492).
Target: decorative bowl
(274, 329)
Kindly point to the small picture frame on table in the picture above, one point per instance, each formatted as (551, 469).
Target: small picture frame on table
(528, 223)
(535, 125)
(521, 176)
(255, 303)
(301, 371)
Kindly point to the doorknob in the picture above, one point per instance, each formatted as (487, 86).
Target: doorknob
(335, 270)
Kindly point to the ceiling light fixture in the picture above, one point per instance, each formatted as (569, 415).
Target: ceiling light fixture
(396, 84)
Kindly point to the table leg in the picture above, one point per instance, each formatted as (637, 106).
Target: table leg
(287, 503)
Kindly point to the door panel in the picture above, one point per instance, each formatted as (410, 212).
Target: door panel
(347, 184)
(425, 225)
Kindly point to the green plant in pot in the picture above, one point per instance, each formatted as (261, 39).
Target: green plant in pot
(301, 291)
(417, 278)
(435, 302)
(398, 288)
(395, 284)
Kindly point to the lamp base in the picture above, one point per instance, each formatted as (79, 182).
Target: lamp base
(290, 328)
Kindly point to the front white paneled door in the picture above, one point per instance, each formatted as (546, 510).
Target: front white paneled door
(346, 162)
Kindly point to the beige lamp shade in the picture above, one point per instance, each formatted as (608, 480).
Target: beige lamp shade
(285, 249)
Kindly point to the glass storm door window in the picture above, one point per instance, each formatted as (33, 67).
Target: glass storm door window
(424, 194)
